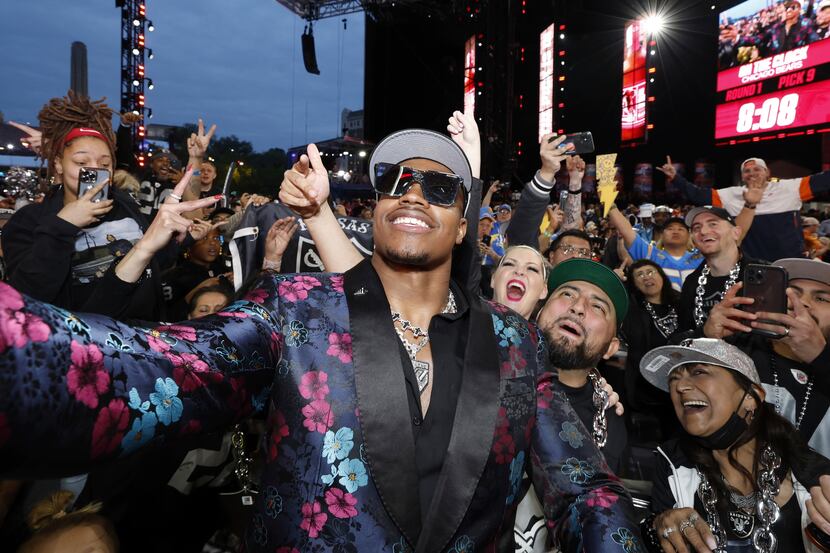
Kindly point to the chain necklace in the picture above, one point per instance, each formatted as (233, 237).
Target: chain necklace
(402, 326)
(666, 324)
(768, 512)
(803, 411)
(745, 503)
(700, 316)
(600, 398)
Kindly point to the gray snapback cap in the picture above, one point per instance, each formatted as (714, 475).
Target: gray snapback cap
(658, 364)
(422, 143)
(808, 269)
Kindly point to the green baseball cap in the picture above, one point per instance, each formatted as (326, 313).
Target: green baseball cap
(595, 273)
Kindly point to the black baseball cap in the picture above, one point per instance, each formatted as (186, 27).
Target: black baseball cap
(718, 212)
(679, 220)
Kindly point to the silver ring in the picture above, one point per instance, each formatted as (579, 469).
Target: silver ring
(176, 197)
(685, 525)
(694, 518)
(668, 531)
(786, 331)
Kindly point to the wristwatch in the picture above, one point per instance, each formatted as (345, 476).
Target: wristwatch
(750, 206)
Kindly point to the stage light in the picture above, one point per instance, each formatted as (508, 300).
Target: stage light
(136, 23)
(561, 35)
(150, 114)
(136, 82)
(653, 24)
(150, 85)
(150, 54)
(151, 27)
(136, 51)
(10, 146)
(361, 153)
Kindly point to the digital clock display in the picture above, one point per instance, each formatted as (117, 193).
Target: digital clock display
(774, 71)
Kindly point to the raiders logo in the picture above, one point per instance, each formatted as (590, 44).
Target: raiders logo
(741, 523)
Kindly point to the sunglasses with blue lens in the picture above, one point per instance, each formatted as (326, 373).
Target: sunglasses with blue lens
(438, 188)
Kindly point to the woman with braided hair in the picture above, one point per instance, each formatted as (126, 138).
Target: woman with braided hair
(64, 250)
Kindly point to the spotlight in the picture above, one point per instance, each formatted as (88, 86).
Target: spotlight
(561, 35)
(653, 24)
(150, 54)
(136, 82)
(149, 113)
(136, 51)
(150, 85)
(136, 22)
(362, 153)
(151, 27)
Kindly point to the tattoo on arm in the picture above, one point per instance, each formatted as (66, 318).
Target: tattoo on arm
(573, 212)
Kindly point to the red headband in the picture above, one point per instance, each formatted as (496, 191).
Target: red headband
(82, 131)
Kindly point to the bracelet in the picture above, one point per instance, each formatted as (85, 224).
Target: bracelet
(268, 265)
(750, 206)
(650, 534)
(196, 173)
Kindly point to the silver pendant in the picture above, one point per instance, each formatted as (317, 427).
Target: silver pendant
(741, 523)
(421, 369)
(247, 500)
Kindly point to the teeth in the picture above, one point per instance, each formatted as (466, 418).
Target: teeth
(695, 404)
(409, 221)
(519, 285)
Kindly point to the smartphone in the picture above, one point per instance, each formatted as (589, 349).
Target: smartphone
(767, 284)
(583, 142)
(90, 178)
(563, 197)
(486, 240)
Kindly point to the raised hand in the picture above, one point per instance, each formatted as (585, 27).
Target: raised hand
(279, 235)
(798, 329)
(552, 155)
(34, 137)
(130, 118)
(725, 317)
(668, 169)
(305, 187)
(464, 132)
(753, 195)
(576, 169)
(198, 142)
(84, 211)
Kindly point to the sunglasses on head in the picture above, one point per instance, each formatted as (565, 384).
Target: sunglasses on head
(438, 188)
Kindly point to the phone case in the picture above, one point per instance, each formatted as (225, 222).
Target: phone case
(767, 284)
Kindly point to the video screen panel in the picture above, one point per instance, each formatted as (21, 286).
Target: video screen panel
(470, 75)
(773, 69)
(546, 65)
(634, 83)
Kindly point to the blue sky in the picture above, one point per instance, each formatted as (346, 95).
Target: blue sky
(235, 63)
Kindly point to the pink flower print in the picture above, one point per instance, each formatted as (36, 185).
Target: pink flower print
(160, 338)
(257, 296)
(5, 430)
(601, 498)
(86, 378)
(318, 416)
(110, 425)
(313, 519)
(156, 342)
(190, 372)
(340, 346)
(313, 385)
(180, 332)
(337, 283)
(341, 504)
(279, 430)
(287, 549)
(10, 298)
(17, 327)
(297, 289)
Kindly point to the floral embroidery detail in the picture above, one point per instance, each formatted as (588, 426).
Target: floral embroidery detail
(516, 469)
(338, 445)
(313, 519)
(168, 407)
(259, 530)
(143, 430)
(109, 428)
(318, 416)
(519, 324)
(257, 296)
(464, 544)
(17, 327)
(628, 540)
(279, 430)
(296, 334)
(341, 504)
(87, 379)
(507, 334)
(401, 547)
(158, 341)
(313, 385)
(337, 283)
(353, 474)
(578, 471)
(570, 433)
(503, 445)
(179, 332)
(328, 479)
(515, 365)
(340, 346)
(190, 372)
(297, 289)
(601, 498)
(273, 502)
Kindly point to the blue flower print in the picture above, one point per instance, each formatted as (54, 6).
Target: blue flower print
(401, 547)
(578, 471)
(337, 446)
(629, 541)
(516, 470)
(295, 334)
(570, 433)
(519, 324)
(135, 402)
(259, 531)
(168, 406)
(508, 334)
(464, 544)
(352, 474)
(273, 502)
(328, 479)
(143, 430)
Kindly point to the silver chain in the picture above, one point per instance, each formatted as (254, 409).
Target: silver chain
(803, 411)
(768, 511)
(600, 398)
(700, 316)
(745, 503)
(667, 324)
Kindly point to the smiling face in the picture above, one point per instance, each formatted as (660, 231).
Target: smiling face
(705, 396)
(519, 281)
(410, 231)
(754, 175)
(85, 151)
(580, 326)
(712, 235)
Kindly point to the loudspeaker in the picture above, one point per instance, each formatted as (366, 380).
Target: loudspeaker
(309, 55)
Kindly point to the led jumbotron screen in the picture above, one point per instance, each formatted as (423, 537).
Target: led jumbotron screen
(546, 64)
(470, 75)
(773, 69)
(634, 83)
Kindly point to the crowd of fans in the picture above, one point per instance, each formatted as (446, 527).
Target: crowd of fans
(155, 248)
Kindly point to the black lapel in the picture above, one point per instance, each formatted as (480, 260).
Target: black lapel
(383, 407)
(472, 433)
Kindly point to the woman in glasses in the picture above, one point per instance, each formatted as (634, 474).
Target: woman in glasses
(651, 319)
(737, 480)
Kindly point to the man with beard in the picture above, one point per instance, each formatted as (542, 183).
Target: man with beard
(794, 367)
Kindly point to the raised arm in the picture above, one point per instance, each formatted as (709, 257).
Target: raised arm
(573, 203)
(695, 194)
(752, 197)
(623, 226)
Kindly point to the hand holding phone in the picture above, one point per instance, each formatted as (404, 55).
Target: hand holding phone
(767, 285)
(90, 177)
(583, 142)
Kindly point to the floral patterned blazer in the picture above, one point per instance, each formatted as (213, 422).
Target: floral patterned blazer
(320, 355)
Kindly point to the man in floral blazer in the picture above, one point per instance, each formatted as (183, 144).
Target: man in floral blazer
(345, 468)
